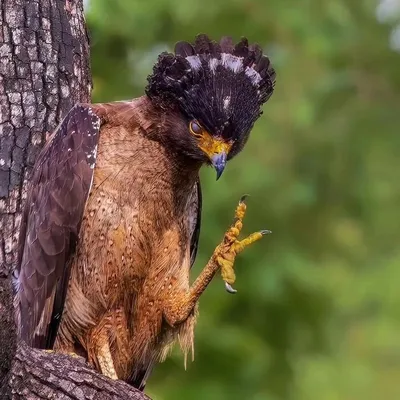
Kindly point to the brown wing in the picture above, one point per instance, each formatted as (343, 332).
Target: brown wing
(50, 224)
(195, 221)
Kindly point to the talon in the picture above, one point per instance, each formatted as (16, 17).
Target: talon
(229, 288)
(231, 245)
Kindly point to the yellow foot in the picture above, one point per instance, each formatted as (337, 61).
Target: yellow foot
(226, 252)
(105, 360)
(73, 355)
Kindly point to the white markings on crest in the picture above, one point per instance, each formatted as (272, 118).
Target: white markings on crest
(227, 101)
(228, 61)
(213, 64)
(194, 61)
(254, 76)
(232, 62)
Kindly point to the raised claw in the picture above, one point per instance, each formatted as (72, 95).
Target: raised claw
(229, 288)
(231, 245)
(243, 198)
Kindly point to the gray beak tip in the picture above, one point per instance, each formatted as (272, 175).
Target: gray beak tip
(219, 162)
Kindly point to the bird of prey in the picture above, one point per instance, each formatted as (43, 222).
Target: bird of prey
(111, 224)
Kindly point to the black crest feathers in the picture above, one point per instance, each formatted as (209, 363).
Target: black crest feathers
(223, 85)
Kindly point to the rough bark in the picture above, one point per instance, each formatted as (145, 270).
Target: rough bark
(44, 71)
(55, 376)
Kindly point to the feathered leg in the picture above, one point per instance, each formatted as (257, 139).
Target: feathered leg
(179, 305)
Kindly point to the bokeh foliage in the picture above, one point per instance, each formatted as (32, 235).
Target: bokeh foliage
(317, 314)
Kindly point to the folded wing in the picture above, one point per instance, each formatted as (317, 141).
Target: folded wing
(51, 220)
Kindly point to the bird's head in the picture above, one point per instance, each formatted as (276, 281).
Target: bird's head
(218, 88)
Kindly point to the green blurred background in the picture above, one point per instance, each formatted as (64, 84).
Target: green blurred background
(317, 314)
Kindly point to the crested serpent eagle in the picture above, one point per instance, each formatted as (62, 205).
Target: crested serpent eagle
(111, 223)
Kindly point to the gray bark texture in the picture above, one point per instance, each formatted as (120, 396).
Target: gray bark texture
(44, 71)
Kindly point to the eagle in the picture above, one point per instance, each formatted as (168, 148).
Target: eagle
(111, 223)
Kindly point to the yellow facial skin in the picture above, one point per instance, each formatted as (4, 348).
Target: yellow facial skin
(212, 146)
(216, 149)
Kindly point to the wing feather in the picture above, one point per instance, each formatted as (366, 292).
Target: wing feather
(195, 205)
(50, 225)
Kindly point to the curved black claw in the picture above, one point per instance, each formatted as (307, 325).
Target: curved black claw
(265, 232)
(229, 288)
(243, 198)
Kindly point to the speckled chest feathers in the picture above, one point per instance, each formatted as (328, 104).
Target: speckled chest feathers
(134, 251)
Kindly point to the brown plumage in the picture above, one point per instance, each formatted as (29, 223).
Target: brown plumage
(138, 213)
(112, 219)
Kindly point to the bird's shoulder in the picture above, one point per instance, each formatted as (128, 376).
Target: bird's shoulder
(130, 114)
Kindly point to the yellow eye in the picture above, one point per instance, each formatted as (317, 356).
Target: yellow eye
(195, 128)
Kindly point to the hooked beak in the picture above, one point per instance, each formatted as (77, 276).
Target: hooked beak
(216, 149)
(219, 161)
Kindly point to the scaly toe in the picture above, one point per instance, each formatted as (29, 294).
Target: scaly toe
(227, 271)
(73, 355)
(234, 232)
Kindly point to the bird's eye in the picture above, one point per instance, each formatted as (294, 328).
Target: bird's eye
(195, 128)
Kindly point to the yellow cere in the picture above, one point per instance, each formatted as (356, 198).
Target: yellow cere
(211, 145)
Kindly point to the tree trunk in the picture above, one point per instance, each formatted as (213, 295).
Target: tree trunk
(44, 71)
